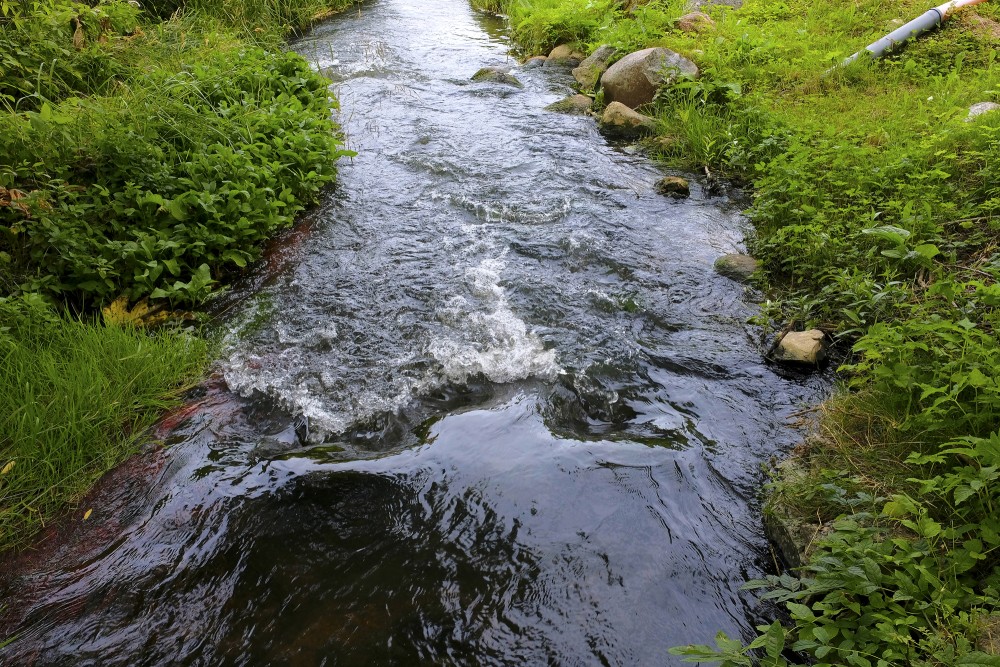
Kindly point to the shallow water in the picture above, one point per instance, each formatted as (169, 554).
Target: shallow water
(491, 405)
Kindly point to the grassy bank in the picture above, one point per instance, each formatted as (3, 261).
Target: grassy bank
(146, 152)
(876, 213)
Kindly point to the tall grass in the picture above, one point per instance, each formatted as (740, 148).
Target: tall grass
(77, 399)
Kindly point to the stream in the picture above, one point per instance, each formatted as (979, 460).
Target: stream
(488, 405)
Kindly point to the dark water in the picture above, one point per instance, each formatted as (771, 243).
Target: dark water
(495, 407)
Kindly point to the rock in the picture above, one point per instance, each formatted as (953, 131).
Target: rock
(565, 54)
(619, 120)
(801, 347)
(634, 79)
(793, 535)
(575, 105)
(589, 72)
(496, 75)
(695, 22)
(980, 108)
(673, 186)
(533, 62)
(736, 266)
(695, 5)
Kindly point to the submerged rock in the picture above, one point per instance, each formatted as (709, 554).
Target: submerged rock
(673, 186)
(589, 72)
(980, 108)
(801, 347)
(634, 79)
(695, 22)
(496, 75)
(619, 120)
(736, 266)
(575, 105)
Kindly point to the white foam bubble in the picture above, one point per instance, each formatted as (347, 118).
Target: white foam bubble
(483, 336)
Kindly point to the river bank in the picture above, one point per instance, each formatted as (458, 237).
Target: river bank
(147, 154)
(875, 221)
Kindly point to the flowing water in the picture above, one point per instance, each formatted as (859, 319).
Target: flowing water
(489, 406)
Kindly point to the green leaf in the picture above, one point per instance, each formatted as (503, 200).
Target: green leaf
(176, 209)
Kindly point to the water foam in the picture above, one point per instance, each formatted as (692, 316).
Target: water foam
(484, 337)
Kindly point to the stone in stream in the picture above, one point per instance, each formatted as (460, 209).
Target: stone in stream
(695, 22)
(565, 54)
(979, 108)
(574, 105)
(634, 79)
(589, 72)
(618, 120)
(496, 75)
(801, 347)
(736, 266)
(534, 62)
(673, 186)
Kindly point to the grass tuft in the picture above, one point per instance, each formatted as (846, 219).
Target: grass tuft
(78, 398)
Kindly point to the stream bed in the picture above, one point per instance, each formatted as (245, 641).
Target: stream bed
(488, 405)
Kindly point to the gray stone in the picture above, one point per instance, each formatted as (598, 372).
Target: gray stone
(801, 347)
(736, 266)
(673, 186)
(979, 108)
(575, 105)
(618, 120)
(695, 22)
(496, 75)
(634, 79)
(589, 72)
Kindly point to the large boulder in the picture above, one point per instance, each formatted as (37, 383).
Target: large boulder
(575, 105)
(634, 79)
(801, 347)
(736, 266)
(496, 75)
(589, 72)
(620, 121)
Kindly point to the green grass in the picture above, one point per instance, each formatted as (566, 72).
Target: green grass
(77, 399)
